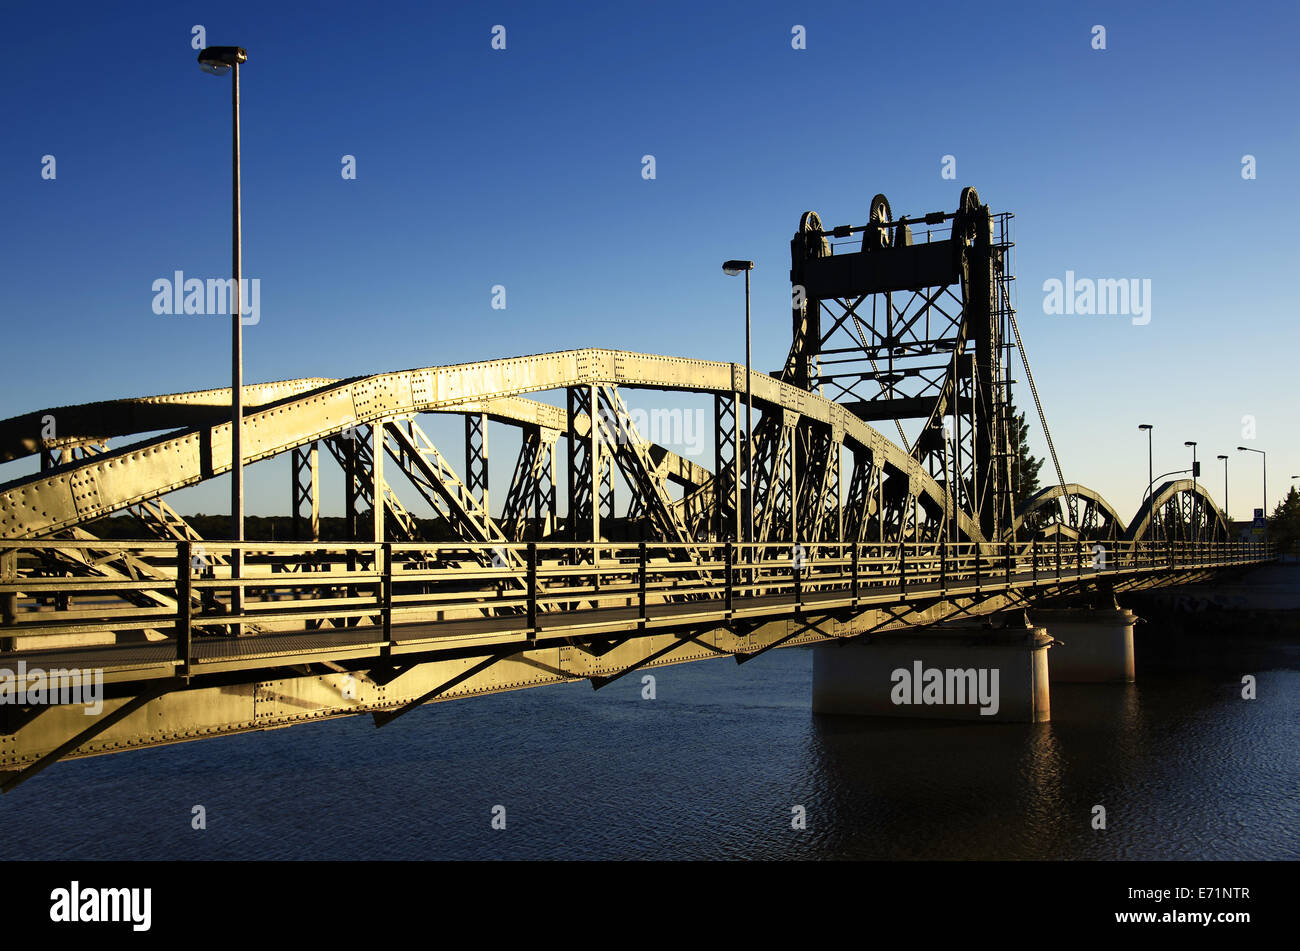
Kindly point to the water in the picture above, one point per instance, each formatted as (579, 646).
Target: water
(711, 769)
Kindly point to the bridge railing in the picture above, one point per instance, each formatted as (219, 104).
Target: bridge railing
(57, 594)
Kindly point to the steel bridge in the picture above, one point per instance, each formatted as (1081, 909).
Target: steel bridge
(908, 321)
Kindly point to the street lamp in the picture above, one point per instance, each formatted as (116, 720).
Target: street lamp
(219, 60)
(732, 268)
(1226, 513)
(1196, 470)
(1265, 462)
(1151, 513)
(1148, 427)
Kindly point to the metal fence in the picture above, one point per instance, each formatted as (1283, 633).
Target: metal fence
(62, 594)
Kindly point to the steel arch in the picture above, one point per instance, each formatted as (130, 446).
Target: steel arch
(1174, 511)
(1046, 513)
(80, 490)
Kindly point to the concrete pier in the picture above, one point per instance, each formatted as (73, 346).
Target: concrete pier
(955, 674)
(1094, 645)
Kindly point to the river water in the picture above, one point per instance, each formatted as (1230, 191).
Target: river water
(713, 767)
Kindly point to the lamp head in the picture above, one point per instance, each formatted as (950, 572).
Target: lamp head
(733, 268)
(217, 60)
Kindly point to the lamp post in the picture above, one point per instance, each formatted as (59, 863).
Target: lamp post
(1265, 462)
(1152, 513)
(1226, 512)
(1150, 479)
(1150, 469)
(219, 60)
(733, 268)
(1196, 471)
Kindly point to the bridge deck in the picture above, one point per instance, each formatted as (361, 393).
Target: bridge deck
(124, 663)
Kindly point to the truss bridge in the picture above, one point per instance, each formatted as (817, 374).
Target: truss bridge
(871, 511)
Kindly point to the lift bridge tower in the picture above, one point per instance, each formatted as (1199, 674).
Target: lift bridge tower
(907, 320)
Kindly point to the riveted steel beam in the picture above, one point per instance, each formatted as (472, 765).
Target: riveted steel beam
(631, 451)
(532, 487)
(353, 449)
(591, 484)
(42, 504)
(434, 478)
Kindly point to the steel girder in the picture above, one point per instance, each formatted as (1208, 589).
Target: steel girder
(59, 453)
(722, 499)
(775, 489)
(1179, 511)
(1048, 513)
(631, 452)
(476, 458)
(914, 331)
(818, 452)
(354, 450)
(532, 487)
(71, 494)
(22, 435)
(591, 483)
(436, 480)
(305, 484)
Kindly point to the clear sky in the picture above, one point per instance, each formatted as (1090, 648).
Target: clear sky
(523, 167)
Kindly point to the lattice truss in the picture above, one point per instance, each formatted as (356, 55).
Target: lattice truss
(818, 473)
(913, 332)
(1180, 511)
(1047, 514)
(897, 326)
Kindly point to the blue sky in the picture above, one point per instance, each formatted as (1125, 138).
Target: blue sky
(522, 168)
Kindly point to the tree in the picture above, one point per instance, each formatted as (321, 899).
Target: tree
(1024, 466)
(1284, 523)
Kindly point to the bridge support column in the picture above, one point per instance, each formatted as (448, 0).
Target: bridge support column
(974, 674)
(1095, 645)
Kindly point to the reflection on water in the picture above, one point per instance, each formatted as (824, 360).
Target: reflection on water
(1182, 765)
(711, 769)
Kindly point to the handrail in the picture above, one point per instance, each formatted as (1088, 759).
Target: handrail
(294, 588)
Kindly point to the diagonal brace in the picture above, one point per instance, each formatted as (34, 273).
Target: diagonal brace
(385, 717)
(92, 731)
